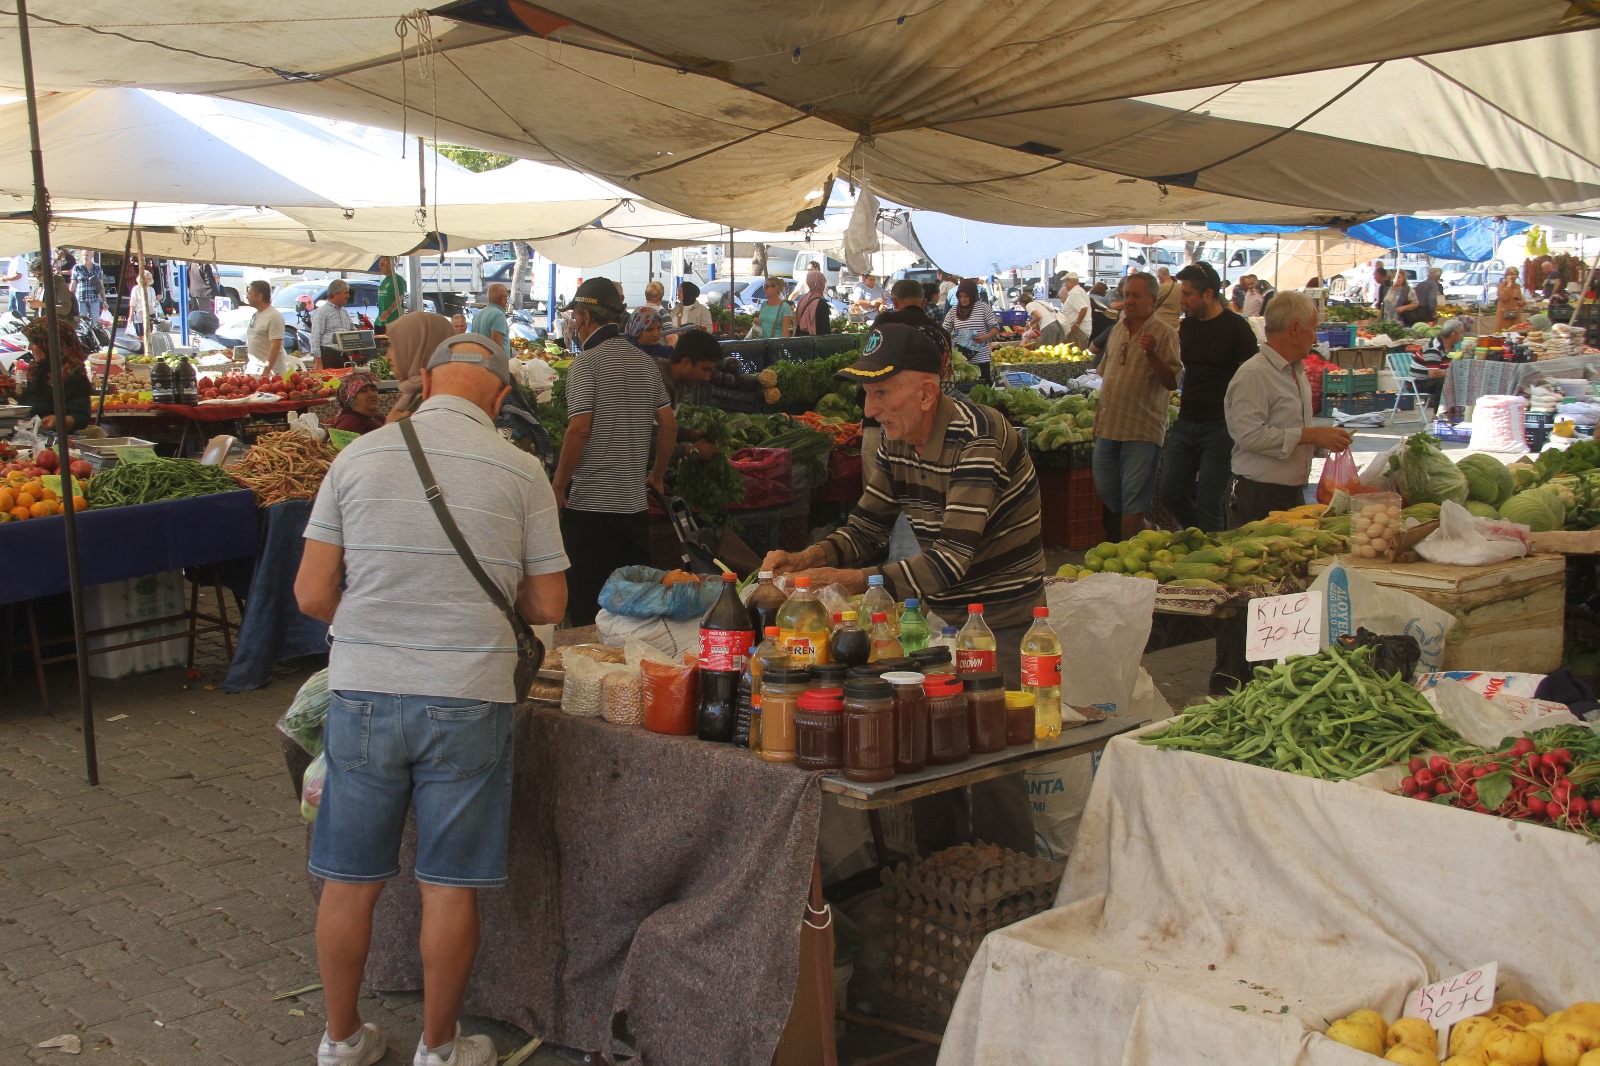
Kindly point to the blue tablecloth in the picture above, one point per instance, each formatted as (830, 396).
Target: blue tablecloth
(123, 542)
(1469, 379)
(273, 628)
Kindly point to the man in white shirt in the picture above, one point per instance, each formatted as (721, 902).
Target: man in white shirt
(867, 295)
(1075, 311)
(1268, 408)
(21, 283)
(263, 338)
(329, 319)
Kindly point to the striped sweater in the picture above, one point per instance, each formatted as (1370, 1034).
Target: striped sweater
(973, 503)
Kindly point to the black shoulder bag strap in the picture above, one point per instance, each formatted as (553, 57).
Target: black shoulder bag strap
(530, 652)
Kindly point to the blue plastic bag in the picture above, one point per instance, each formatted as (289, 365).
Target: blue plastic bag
(637, 592)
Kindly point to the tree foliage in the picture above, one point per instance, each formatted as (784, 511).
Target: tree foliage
(474, 159)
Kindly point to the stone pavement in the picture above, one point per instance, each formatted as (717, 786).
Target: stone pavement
(157, 915)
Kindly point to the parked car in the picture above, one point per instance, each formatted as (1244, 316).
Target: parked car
(1471, 287)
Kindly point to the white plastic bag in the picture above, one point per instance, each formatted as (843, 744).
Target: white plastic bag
(1376, 473)
(1464, 539)
(1497, 424)
(670, 636)
(1102, 619)
(1486, 721)
(1352, 600)
(306, 422)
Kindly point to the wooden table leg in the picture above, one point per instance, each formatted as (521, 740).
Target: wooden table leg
(821, 911)
(38, 656)
(222, 611)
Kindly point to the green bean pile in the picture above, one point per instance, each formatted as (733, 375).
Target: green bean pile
(1330, 716)
(158, 479)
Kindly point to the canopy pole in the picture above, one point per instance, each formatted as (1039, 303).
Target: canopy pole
(1277, 260)
(1396, 246)
(111, 349)
(69, 514)
(1322, 282)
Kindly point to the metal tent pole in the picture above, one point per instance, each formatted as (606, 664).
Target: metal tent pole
(111, 349)
(41, 218)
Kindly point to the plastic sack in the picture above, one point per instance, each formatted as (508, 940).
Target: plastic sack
(1338, 474)
(306, 422)
(303, 721)
(768, 475)
(671, 695)
(1352, 601)
(637, 592)
(1379, 473)
(1497, 424)
(1397, 654)
(583, 688)
(1486, 721)
(1463, 539)
(835, 600)
(672, 637)
(1102, 619)
(311, 787)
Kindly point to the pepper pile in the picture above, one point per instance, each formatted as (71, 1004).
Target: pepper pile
(1330, 716)
(283, 466)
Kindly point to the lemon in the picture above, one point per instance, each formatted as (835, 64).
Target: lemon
(1111, 566)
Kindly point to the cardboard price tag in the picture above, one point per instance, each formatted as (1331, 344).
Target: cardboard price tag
(53, 483)
(136, 454)
(1281, 626)
(1446, 1002)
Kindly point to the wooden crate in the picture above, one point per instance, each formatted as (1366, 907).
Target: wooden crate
(1510, 616)
(1567, 542)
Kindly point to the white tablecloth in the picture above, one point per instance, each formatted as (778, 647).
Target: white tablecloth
(1204, 897)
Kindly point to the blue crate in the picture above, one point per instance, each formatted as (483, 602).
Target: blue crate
(1012, 317)
(1337, 336)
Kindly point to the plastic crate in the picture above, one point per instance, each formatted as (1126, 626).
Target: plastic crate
(791, 349)
(834, 343)
(1536, 430)
(1360, 405)
(1348, 382)
(1069, 510)
(752, 355)
(757, 527)
(1059, 372)
(734, 401)
(1012, 317)
(1460, 434)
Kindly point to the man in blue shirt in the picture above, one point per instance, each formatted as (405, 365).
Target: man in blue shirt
(490, 321)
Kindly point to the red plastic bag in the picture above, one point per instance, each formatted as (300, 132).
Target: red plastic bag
(768, 475)
(671, 696)
(1339, 472)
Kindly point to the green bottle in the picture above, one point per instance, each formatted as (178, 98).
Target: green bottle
(914, 632)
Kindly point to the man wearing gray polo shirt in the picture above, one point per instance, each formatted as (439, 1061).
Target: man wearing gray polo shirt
(421, 669)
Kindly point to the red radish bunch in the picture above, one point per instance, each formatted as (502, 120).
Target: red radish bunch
(1520, 782)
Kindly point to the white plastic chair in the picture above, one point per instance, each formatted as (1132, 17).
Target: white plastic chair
(1400, 367)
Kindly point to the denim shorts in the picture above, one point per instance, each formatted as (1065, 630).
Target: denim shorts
(448, 759)
(1125, 474)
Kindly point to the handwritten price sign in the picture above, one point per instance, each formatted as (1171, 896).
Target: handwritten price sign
(1449, 1001)
(1281, 626)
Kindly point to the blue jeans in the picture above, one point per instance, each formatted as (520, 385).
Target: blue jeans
(1125, 474)
(447, 758)
(1195, 473)
(19, 304)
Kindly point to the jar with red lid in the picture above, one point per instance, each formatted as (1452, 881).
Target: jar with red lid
(986, 712)
(947, 719)
(868, 729)
(819, 730)
(910, 721)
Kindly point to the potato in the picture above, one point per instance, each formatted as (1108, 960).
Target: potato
(1413, 1031)
(1512, 1045)
(1467, 1034)
(1567, 1043)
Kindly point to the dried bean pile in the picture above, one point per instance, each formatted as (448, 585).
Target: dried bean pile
(283, 466)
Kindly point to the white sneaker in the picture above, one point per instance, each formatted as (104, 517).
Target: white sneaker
(368, 1049)
(469, 1051)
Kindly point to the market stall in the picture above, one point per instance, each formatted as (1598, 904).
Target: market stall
(1470, 379)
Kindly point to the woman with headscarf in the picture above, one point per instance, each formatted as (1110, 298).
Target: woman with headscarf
(1399, 301)
(1510, 301)
(811, 311)
(40, 394)
(973, 324)
(644, 330)
(412, 339)
(358, 403)
(690, 313)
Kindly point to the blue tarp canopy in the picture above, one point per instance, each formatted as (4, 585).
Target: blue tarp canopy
(1469, 239)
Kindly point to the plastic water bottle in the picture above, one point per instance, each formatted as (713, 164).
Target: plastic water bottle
(914, 631)
(878, 599)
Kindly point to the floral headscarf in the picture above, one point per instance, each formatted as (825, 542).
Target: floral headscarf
(352, 384)
(38, 333)
(642, 321)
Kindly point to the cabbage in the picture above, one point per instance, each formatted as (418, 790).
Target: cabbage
(1488, 480)
(1523, 476)
(1428, 474)
(1482, 510)
(1535, 509)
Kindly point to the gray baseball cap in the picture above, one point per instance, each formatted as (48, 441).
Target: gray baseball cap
(497, 363)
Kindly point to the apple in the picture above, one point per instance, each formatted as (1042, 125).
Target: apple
(48, 461)
(80, 468)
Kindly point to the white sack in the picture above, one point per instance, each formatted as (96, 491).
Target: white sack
(1103, 623)
(1352, 600)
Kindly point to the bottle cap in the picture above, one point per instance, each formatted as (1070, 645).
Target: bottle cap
(983, 682)
(822, 700)
(904, 677)
(837, 618)
(771, 631)
(1018, 700)
(875, 579)
(913, 604)
(974, 608)
(729, 577)
(879, 616)
(765, 575)
(788, 675)
(847, 616)
(905, 662)
(869, 670)
(829, 675)
(948, 631)
(943, 685)
(867, 688)
(1041, 612)
(934, 656)
(802, 582)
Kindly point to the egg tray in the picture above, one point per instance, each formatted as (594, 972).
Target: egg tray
(916, 1001)
(970, 925)
(967, 887)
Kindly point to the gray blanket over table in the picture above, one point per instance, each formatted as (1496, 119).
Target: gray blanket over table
(657, 887)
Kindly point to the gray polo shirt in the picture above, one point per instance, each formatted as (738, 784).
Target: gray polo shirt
(412, 619)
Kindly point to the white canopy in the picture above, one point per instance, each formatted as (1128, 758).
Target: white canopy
(1064, 114)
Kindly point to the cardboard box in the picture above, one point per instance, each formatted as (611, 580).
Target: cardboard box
(1367, 358)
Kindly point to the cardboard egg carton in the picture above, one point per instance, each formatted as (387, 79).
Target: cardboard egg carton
(973, 887)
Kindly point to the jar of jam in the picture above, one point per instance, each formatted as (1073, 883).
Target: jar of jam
(986, 712)
(829, 675)
(1019, 718)
(910, 721)
(868, 670)
(947, 719)
(936, 660)
(868, 729)
(819, 730)
(780, 698)
(904, 664)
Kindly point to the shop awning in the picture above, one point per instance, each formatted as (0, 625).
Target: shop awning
(1066, 114)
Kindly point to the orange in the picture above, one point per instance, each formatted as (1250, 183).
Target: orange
(34, 488)
(80, 503)
(40, 510)
(48, 494)
(21, 512)
(8, 500)
(26, 499)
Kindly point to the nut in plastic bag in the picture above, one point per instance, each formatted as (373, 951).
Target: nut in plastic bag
(583, 690)
(622, 697)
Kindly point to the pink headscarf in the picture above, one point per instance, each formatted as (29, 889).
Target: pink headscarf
(806, 307)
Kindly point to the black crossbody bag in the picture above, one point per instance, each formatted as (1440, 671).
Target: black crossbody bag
(530, 652)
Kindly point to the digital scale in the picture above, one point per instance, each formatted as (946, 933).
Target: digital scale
(355, 340)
